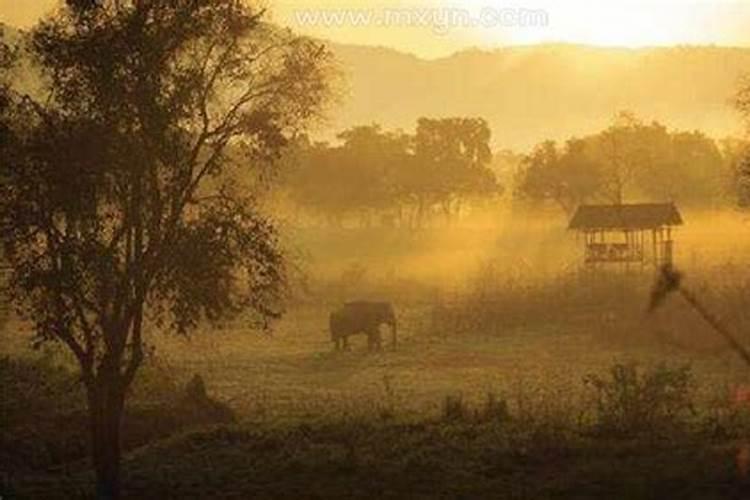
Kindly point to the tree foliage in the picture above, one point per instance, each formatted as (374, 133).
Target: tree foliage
(120, 205)
(741, 158)
(627, 161)
(568, 177)
(372, 171)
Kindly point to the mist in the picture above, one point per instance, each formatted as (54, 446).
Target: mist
(244, 261)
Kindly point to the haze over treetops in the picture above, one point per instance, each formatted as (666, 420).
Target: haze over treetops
(533, 93)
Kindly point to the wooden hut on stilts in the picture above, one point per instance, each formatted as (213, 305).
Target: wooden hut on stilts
(626, 234)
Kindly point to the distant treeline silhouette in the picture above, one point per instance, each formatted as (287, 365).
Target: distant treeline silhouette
(633, 160)
(394, 177)
(379, 177)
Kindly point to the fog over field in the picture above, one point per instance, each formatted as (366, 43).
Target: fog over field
(240, 258)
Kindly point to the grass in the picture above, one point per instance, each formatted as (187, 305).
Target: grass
(485, 397)
(467, 414)
(314, 423)
(361, 459)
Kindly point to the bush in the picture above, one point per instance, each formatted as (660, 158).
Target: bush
(35, 388)
(455, 409)
(44, 420)
(494, 409)
(632, 401)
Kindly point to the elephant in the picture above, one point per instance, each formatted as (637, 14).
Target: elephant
(362, 318)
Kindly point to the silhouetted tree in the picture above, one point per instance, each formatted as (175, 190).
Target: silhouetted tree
(369, 162)
(623, 154)
(119, 205)
(743, 182)
(453, 155)
(360, 176)
(685, 167)
(568, 178)
(742, 170)
(374, 171)
(629, 157)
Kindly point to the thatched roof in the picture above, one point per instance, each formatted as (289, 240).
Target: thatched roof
(634, 217)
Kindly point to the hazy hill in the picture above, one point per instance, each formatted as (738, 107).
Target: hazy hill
(529, 94)
(533, 93)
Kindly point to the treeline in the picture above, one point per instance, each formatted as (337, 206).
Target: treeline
(634, 161)
(378, 177)
(375, 177)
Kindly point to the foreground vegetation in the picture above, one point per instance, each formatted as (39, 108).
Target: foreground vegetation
(564, 411)
(354, 460)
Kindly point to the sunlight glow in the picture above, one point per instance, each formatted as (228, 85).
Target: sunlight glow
(623, 23)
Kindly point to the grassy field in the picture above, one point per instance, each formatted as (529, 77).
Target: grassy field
(296, 374)
(505, 384)
(317, 424)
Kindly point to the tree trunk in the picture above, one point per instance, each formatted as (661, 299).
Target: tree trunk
(106, 402)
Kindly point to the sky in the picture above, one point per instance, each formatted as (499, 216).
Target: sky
(437, 28)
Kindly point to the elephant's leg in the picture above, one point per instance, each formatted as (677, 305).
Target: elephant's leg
(346, 342)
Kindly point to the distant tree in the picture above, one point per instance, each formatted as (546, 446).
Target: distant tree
(506, 164)
(361, 176)
(569, 177)
(684, 167)
(736, 178)
(538, 177)
(119, 208)
(742, 170)
(743, 181)
(452, 156)
(377, 172)
(623, 155)
(373, 159)
(629, 159)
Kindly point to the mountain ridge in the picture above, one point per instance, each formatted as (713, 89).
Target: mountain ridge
(532, 93)
(553, 91)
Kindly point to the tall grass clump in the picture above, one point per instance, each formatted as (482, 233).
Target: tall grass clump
(495, 301)
(632, 401)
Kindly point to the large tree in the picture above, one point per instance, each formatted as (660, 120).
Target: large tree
(122, 203)
(452, 157)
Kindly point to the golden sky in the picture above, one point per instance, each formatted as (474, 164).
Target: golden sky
(434, 28)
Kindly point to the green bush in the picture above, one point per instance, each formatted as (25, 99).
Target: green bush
(633, 401)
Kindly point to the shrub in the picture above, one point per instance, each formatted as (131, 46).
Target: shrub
(494, 409)
(455, 409)
(35, 388)
(43, 418)
(632, 401)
